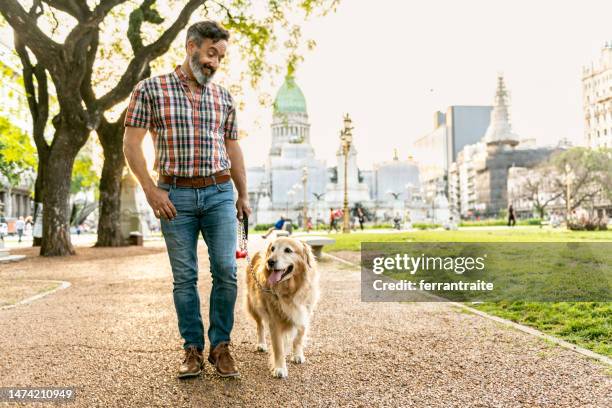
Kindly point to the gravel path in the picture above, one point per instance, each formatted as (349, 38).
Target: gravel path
(113, 336)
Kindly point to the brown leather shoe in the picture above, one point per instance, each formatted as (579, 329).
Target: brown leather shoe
(192, 364)
(223, 361)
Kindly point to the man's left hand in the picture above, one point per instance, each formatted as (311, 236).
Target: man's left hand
(242, 207)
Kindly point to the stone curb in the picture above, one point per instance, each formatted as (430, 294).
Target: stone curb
(62, 285)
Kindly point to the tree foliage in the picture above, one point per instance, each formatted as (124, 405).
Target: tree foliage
(17, 155)
(588, 172)
(84, 177)
(95, 53)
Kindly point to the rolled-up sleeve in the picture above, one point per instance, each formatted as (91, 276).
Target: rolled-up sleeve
(231, 123)
(139, 109)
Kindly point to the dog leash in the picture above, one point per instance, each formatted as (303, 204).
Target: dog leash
(243, 252)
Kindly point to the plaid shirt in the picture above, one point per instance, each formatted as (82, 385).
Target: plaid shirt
(188, 130)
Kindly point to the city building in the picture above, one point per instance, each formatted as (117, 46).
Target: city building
(478, 178)
(597, 100)
(435, 151)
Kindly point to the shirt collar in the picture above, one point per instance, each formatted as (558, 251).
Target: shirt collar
(183, 77)
(181, 74)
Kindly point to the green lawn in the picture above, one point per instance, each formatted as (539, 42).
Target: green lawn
(587, 324)
(352, 241)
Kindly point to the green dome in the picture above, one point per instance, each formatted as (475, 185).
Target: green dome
(290, 98)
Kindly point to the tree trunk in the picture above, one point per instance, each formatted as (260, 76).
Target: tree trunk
(56, 193)
(109, 225)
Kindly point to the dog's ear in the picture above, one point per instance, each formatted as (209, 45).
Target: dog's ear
(267, 250)
(310, 259)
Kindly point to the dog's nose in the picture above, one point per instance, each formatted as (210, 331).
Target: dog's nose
(271, 263)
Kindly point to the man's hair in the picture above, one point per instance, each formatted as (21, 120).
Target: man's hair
(206, 29)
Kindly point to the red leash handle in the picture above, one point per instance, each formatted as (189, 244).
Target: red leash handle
(243, 233)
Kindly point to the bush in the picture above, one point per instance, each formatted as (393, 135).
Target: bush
(587, 225)
(425, 225)
(493, 222)
(496, 222)
(530, 221)
(381, 226)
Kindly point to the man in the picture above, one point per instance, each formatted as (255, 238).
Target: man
(360, 217)
(332, 220)
(511, 216)
(277, 226)
(194, 129)
(19, 226)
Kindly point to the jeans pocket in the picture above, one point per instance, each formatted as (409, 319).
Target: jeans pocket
(167, 187)
(227, 186)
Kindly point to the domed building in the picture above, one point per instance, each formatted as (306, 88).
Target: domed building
(277, 187)
(290, 156)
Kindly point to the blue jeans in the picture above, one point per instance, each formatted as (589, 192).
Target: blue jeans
(211, 211)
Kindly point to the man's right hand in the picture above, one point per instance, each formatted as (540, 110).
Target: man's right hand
(160, 203)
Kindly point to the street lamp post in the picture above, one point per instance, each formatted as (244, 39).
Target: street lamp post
(346, 138)
(305, 209)
(290, 195)
(318, 196)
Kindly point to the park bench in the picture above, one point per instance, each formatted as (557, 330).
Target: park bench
(317, 244)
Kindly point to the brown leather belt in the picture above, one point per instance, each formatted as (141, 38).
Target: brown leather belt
(197, 182)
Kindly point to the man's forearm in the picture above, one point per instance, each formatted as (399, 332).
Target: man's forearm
(138, 164)
(238, 171)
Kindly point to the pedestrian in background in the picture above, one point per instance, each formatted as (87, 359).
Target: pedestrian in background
(511, 217)
(20, 226)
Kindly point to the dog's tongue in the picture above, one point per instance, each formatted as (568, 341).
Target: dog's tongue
(274, 277)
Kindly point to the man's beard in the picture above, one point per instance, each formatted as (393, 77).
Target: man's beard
(198, 70)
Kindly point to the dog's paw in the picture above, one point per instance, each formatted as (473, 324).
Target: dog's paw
(298, 358)
(279, 372)
(262, 347)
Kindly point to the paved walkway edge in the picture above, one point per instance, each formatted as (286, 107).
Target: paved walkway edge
(62, 285)
(525, 329)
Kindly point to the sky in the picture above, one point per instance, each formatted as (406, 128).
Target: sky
(391, 64)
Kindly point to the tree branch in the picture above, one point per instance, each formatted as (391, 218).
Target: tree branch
(551, 199)
(41, 45)
(143, 13)
(77, 9)
(39, 107)
(586, 196)
(74, 41)
(87, 91)
(138, 65)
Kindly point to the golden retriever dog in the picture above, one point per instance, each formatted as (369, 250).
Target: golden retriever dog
(282, 292)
